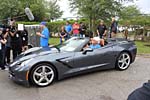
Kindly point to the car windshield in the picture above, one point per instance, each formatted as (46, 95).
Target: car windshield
(71, 44)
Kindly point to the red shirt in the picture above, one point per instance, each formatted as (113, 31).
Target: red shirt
(76, 28)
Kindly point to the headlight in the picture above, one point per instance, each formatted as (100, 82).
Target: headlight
(25, 62)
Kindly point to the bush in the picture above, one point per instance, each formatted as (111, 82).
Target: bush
(54, 26)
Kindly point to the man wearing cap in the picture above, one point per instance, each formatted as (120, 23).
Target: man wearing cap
(101, 29)
(44, 35)
(95, 43)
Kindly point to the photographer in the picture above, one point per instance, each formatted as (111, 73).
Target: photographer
(16, 41)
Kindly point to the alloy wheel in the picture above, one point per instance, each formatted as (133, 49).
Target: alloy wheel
(43, 75)
(124, 61)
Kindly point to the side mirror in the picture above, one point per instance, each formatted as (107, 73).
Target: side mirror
(87, 50)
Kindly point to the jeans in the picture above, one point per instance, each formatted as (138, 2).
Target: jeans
(76, 35)
(82, 35)
(2, 58)
(17, 49)
(101, 36)
(68, 36)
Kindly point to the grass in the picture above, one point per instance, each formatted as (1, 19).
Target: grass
(141, 46)
(54, 41)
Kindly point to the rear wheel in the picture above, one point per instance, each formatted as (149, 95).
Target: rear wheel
(123, 61)
(43, 75)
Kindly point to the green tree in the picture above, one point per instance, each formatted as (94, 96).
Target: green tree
(9, 8)
(39, 8)
(129, 12)
(96, 9)
(53, 10)
(131, 15)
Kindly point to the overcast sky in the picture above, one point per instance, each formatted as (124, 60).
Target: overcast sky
(143, 5)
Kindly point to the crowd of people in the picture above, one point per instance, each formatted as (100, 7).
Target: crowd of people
(80, 30)
(16, 40)
(11, 39)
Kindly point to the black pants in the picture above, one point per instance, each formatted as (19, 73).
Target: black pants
(17, 49)
(101, 36)
(2, 58)
(7, 55)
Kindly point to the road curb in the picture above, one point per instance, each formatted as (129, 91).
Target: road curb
(144, 55)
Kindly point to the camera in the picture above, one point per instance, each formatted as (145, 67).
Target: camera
(12, 29)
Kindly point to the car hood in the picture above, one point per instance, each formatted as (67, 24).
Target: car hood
(34, 52)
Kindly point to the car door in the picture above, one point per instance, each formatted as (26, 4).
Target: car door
(97, 58)
(83, 60)
(105, 57)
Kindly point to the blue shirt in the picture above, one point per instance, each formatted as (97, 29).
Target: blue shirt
(68, 28)
(95, 46)
(44, 40)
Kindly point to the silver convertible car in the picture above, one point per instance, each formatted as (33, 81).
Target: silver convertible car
(41, 66)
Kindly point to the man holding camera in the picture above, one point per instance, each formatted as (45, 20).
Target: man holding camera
(16, 41)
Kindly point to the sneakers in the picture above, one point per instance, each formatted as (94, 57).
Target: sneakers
(4, 68)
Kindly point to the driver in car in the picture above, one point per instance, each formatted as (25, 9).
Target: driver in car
(94, 43)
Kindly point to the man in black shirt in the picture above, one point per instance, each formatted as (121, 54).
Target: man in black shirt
(82, 29)
(113, 28)
(16, 42)
(2, 50)
(101, 29)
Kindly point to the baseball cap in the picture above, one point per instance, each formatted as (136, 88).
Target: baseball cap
(43, 23)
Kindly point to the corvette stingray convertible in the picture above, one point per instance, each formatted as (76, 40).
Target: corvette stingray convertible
(41, 66)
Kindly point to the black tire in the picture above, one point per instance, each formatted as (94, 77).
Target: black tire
(123, 61)
(42, 75)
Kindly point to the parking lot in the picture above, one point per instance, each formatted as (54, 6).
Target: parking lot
(102, 85)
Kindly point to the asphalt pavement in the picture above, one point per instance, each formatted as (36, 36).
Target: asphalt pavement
(101, 85)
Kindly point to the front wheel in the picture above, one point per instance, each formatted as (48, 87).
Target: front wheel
(42, 75)
(123, 61)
